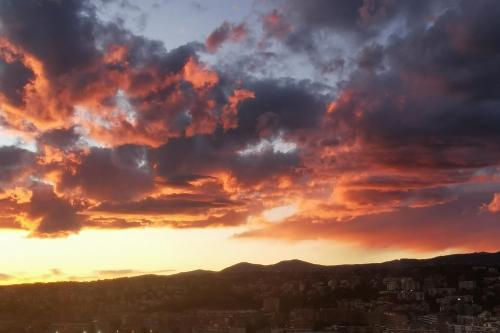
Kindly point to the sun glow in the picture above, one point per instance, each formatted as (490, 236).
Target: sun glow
(280, 213)
(99, 254)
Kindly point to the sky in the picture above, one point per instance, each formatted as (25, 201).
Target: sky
(160, 136)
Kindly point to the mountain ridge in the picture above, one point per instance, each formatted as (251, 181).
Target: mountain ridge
(473, 258)
(296, 265)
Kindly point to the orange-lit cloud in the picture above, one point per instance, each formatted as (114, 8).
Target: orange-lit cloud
(274, 25)
(494, 205)
(225, 33)
(316, 132)
(230, 112)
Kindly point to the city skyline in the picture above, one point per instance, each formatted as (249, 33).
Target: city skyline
(163, 136)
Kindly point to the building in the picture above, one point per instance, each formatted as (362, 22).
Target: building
(467, 285)
(271, 305)
(409, 284)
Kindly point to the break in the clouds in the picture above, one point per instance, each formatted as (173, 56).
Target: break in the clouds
(368, 122)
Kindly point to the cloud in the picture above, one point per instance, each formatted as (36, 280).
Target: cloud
(398, 198)
(433, 228)
(275, 25)
(171, 204)
(361, 17)
(14, 77)
(226, 32)
(113, 174)
(40, 33)
(55, 215)
(378, 121)
(215, 219)
(202, 156)
(410, 131)
(9, 210)
(113, 273)
(14, 163)
(5, 277)
(64, 138)
(494, 205)
(437, 125)
(327, 32)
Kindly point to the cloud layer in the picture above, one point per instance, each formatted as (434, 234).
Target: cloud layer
(381, 128)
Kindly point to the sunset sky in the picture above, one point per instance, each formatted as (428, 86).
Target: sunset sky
(159, 136)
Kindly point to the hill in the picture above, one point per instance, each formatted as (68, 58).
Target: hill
(297, 284)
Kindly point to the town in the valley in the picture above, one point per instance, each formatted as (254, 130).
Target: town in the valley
(454, 294)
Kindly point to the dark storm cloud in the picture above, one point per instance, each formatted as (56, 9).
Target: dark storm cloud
(280, 105)
(292, 105)
(111, 174)
(61, 33)
(400, 198)
(172, 101)
(185, 180)
(420, 111)
(14, 76)
(371, 57)
(188, 159)
(357, 16)
(407, 181)
(253, 169)
(81, 60)
(170, 204)
(194, 158)
(63, 138)
(329, 32)
(434, 105)
(14, 162)
(144, 52)
(406, 123)
(461, 50)
(56, 215)
(229, 219)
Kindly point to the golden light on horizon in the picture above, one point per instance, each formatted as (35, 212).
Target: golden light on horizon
(98, 254)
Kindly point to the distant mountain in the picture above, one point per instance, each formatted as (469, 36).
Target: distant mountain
(477, 259)
(244, 267)
(194, 273)
(282, 266)
(295, 265)
(471, 259)
(299, 266)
